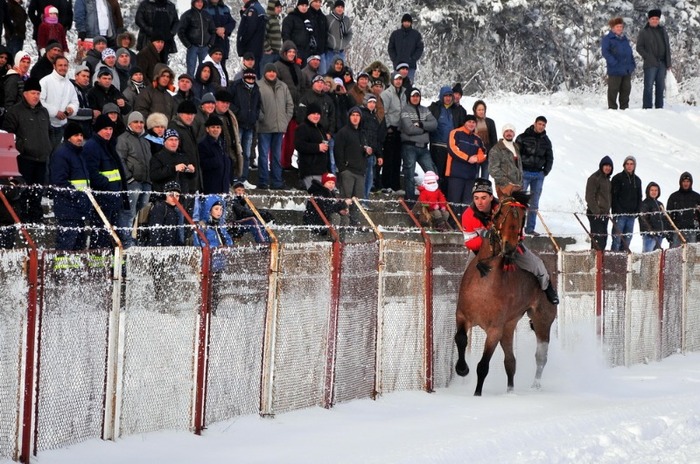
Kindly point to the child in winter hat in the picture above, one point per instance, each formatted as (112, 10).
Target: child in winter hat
(431, 206)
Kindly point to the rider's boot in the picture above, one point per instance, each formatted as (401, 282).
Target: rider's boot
(551, 294)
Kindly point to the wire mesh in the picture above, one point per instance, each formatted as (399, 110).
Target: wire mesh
(577, 293)
(303, 307)
(673, 297)
(692, 318)
(162, 299)
(236, 330)
(449, 263)
(614, 295)
(356, 339)
(14, 289)
(77, 299)
(402, 331)
(642, 337)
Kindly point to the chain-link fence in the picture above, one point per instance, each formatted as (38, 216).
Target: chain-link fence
(692, 318)
(13, 310)
(642, 331)
(163, 298)
(614, 294)
(577, 321)
(77, 300)
(673, 302)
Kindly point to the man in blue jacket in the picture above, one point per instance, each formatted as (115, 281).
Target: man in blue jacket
(617, 52)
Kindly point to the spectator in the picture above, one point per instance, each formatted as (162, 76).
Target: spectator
(211, 222)
(127, 40)
(457, 92)
(617, 52)
(626, 202)
(94, 55)
(393, 99)
(59, 98)
(415, 125)
(351, 156)
(135, 86)
(683, 208)
(311, 70)
(151, 55)
(101, 157)
(652, 222)
(217, 166)
(68, 171)
(298, 28)
(219, 75)
(50, 29)
(99, 18)
(156, 98)
(277, 111)
(248, 61)
(317, 95)
(506, 165)
(246, 105)
(243, 219)
(379, 72)
(157, 18)
(339, 33)
(273, 33)
(486, 130)
(135, 153)
(113, 112)
(104, 92)
(289, 72)
(204, 82)
(319, 24)
(36, 10)
(15, 26)
(165, 221)
(171, 164)
(324, 193)
(655, 48)
(538, 158)
(44, 65)
(223, 26)
(466, 153)
(337, 68)
(183, 123)
(406, 46)
(196, 33)
(123, 67)
(599, 202)
(431, 207)
(312, 145)
(156, 124)
(251, 32)
(13, 84)
(360, 89)
(108, 61)
(33, 144)
(184, 90)
(373, 135)
(402, 69)
(5, 62)
(206, 109)
(229, 132)
(449, 117)
(83, 115)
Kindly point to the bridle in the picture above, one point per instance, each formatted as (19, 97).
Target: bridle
(507, 207)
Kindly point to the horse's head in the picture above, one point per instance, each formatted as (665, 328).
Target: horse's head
(508, 222)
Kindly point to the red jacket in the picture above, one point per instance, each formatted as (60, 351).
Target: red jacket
(433, 200)
(475, 224)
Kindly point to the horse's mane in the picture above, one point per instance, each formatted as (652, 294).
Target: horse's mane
(521, 197)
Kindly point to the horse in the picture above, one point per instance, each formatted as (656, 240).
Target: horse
(495, 295)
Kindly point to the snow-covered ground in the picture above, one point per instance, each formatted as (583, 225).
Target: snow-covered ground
(585, 411)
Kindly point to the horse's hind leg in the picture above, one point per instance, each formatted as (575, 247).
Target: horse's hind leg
(461, 340)
(482, 369)
(542, 323)
(509, 356)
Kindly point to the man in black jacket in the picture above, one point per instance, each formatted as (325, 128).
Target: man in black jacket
(654, 46)
(538, 158)
(626, 195)
(406, 46)
(246, 105)
(683, 208)
(196, 33)
(351, 156)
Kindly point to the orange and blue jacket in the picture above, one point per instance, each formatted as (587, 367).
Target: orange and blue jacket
(462, 145)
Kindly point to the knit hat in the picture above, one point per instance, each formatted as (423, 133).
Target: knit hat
(302, 2)
(270, 67)
(157, 36)
(378, 82)
(172, 186)
(135, 70)
(104, 71)
(414, 91)
(457, 88)
(102, 122)
(53, 44)
(170, 133)
(187, 107)
(368, 98)
(361, 75)
(80, 68)
(238, 184)
(338, 81)
(312, 108)
(135, 116)
(249, 72)
(470, 117)
(156, 119)
(97, 39)
(52, 9)
(339, 3)
(247, 56)
(215, 49)
(430, 181)
(208, 98)
(482, 185)
(185, 76)
(355, 109)
(317, 78)
(70, 129)
(110, 108)
(655, 13)
(406, 17)
(32, 84)
(122, 51)
(107, 52)
(328, 176)
(222, 95)
(313, 57)
(506, 127)
(213, 120)
(402, 65)
(397, 76)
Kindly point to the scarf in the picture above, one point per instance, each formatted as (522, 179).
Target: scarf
(51, 20)
(511, 146)
(310, 29)
(343, 31)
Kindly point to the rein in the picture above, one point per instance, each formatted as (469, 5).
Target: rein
(495, 239)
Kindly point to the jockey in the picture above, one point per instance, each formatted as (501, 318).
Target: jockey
(476, 221)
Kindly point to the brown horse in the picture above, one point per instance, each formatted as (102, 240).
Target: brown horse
(495, 295)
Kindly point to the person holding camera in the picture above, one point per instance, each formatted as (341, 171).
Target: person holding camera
(170, 164)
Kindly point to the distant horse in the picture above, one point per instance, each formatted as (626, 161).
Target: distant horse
(495, 295)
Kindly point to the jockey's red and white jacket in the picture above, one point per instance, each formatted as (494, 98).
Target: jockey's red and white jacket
(475, 225)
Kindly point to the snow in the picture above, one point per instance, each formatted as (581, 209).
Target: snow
(585, 411)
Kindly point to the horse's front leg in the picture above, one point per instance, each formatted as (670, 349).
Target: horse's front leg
(509, 356)
(461, 340)
(482, 369)
(541, 360)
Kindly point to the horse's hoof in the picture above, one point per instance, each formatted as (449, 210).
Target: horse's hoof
(462, 369)
(536, 385)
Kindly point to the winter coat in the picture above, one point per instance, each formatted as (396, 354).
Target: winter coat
(294, 28)
(84, 113)
(163, 170)
(251, 30)
(213, 229)
(69, 172)
(31, 129)
(654, 46)
(132, 91)
(505, 166)
(617, 52)
(49, 32)
(290, 73)
(116, 78)
(156, 99)
(393, 101)
(373, 131)
(164, 214)
(221, 15)
(349, 150)
(190, 147)
(405, 46)
(475, 224)
(101, 156)
(327, 201)
(42, 68)
(652, 218)
(99, 96)
(412, 134)
(92, 58)
(196, 28)
(219, 74)
(626, 192)
(217, 166)
(325, 102)
(135, 153)
(231, 137)
(336, 41)
(147, 59)
(598, 190)
(463, 145)
(57, 94)
(277, 106)
(36, 10)
(682, 205)
(432, 200)
(245, 104)
(341, 105)
(199, 87)
(312, 161)
(536, 151)
(14, 194)
(15, 21)
(86, 18)
(273, 30)
(384, 74)
(157, 17)
(457, 117)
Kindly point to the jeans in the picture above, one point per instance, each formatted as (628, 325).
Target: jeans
(412, 75)
(533, 180)
(369, 175)
(411, 155)
(56, 135)
(247, 144)
(195, 54)
(654, 76)
(269, 58)
(622, 226)
(15, 44)
(651, 242)
(139, 194)
(270, 151)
